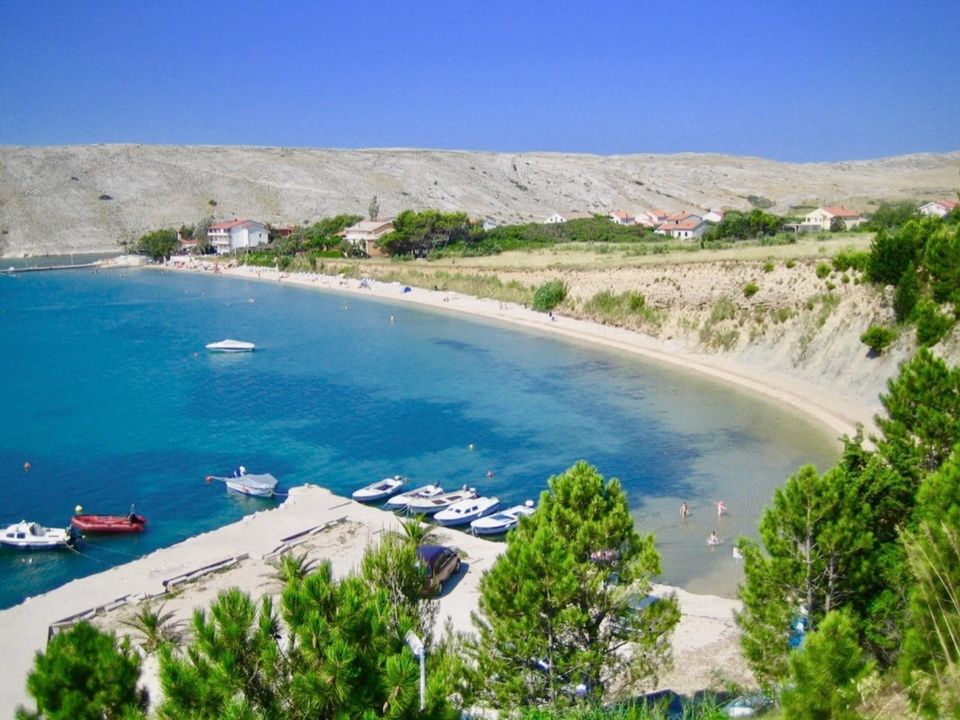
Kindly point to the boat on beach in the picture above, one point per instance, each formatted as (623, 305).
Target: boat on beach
(380, 490)
(230, 346)
(501, 522)
(33, 536)
(109, 524)
(401, 501)
(433, 505)
(255, 484)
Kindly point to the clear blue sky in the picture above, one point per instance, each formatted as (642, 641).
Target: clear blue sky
(800, 81)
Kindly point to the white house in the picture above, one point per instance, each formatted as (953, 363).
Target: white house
(489, 224)
(824, 217)
(227, 237)
(558, 218)
(367, 233)
(713, 216)
(690, 227)
(651, 218)
(939, 208)
(622, 217)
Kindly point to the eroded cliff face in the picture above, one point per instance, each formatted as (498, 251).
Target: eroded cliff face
(92, 197)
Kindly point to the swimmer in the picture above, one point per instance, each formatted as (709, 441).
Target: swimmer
(684, 511)
(721, 507)
(27, 466)
(713, 539)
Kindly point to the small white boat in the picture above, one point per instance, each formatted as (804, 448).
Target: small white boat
(30, 535)
(380, 490)
(231, 346)
(467, 511)
(255, 484)
(503, 521)
(432, 505)
(400, 502)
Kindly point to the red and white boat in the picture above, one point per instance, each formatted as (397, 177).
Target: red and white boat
(129, 523)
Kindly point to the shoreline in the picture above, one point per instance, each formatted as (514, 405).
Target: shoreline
(187, 576)
(841, 414)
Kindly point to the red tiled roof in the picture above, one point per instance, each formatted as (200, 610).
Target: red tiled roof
(840, 211)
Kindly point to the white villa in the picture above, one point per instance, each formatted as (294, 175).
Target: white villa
(558, 218)
(367, 233)
(227, 237)
(939, 208)
(691, 226)
(825, 215)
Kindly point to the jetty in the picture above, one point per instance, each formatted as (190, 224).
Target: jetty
(39, 268)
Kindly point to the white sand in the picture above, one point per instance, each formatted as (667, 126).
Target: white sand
(705, 643)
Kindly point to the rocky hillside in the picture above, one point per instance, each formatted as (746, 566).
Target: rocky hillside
(90, 198)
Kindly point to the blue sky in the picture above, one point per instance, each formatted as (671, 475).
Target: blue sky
(798, 81)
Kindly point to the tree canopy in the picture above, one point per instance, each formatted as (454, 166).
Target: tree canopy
(158, 244)
(555, 620)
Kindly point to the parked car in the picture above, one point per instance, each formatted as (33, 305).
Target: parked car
(440, 563)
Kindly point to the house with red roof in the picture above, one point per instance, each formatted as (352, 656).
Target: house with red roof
(234, 235)
(939, 208)
(622, 217)
(824, 217)
(690, 226)
(367, 233)
(651, 218)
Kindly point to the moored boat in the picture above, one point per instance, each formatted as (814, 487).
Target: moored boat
(432, 505)
(255, 484)
(33, 536)
(401, 501)
(230, 346)
(466, 511)
(114, 524)
(380, 490)
(503, 521)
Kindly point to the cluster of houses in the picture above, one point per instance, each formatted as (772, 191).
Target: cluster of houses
(240, 235)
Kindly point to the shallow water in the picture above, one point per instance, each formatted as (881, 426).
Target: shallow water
(110, 396)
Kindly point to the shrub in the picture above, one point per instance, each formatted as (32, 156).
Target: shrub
(750, 289)
(851, 260)
(789, 264)
(932, 325)
(723, 309)
(823, 269)
(768, 266)
(549, 295)
(878, 338)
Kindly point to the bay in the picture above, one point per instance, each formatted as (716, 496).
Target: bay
(109, 395)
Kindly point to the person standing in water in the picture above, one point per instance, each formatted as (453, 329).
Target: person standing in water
(684, 511)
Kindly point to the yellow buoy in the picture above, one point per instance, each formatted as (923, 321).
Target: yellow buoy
(78, 509)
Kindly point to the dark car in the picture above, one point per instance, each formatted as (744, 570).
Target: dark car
(439, 564)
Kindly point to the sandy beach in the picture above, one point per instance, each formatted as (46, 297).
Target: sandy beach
(330, 527)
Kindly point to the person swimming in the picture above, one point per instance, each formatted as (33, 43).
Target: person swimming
(713, 539)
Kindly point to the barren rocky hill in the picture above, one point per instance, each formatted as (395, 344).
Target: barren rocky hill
(90, 197)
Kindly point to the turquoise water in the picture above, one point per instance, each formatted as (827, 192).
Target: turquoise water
(109, 395)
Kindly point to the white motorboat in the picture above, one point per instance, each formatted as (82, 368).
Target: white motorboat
(380, 490)
(231, 346)
(400, 502)
(255, 484)
(503, 521)
(432, 505)
(467, 511)
(31, 535)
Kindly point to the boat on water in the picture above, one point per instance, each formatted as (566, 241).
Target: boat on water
(33, 536)
(255, 484)
(112, 524)
(231, 346)
(466, 511)
(501, 522)
(401, 501)
(432, 505)
(380, 490)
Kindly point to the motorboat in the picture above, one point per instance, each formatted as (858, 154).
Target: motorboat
(231, 346)
(467, 511)
(113, 524)
(502, 521)
(33, 536)
(255, 484)
(380, 490)
(400, 502)
(432, 505)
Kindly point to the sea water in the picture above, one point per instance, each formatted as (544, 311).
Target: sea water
(110, 397)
